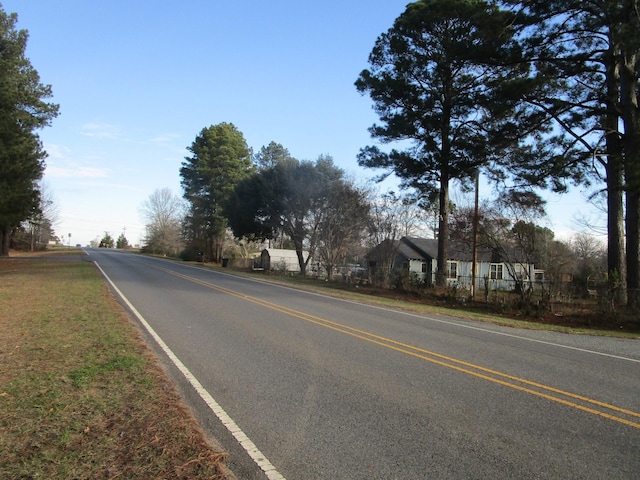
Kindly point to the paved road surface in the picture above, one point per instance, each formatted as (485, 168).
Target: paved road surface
(319, 388)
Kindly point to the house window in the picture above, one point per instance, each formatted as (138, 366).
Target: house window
(496, 271)
(452, 270)
(521, 272)
(424, 267)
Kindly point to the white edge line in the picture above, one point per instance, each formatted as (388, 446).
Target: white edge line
(246, 443)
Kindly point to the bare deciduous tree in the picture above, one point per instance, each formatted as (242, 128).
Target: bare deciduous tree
(391, 218)
(343, 224)
(35, 233)
(163, 212)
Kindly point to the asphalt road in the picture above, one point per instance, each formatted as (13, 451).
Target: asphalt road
(319, 388)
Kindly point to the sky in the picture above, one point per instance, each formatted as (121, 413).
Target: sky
(137, 81)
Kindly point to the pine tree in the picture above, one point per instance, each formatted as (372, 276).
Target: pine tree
(432, 79)
(220, 158)
(23, 110)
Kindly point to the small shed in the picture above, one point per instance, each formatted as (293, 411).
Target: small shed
(280, 259)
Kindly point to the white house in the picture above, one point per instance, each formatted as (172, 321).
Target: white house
(419, 255)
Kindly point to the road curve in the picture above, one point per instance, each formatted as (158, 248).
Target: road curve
(324, 388)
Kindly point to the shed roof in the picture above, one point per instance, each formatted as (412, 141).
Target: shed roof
(284, 253)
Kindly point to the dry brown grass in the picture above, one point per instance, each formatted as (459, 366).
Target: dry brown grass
(81, 396)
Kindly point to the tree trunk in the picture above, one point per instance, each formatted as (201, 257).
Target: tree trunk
(301, 262)
(4, 241)
(219, 247)
(631, 145)
(633, 250)
(616, 267)
(443, 231)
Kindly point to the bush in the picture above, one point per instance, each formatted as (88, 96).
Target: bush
(407, 281)
(191, 254)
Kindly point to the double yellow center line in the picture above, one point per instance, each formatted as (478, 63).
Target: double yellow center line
(579, 402)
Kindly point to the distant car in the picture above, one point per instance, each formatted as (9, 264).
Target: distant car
(78, 245)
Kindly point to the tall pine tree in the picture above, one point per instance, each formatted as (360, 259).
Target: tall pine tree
(585, 58)
(432, 78)
(23, 110)
(220, 158)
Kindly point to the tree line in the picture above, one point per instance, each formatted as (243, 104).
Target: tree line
(314, 208)
(533, 95)
(270, 195)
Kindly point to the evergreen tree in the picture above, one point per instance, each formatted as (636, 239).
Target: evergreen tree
(23, 110)
(107, 241)
(432, 79)
(586, 68)
(220, 159)
(271, 155)
(122, 242)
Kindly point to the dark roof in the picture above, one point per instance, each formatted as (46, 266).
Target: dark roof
(416, 248)
(427, 248)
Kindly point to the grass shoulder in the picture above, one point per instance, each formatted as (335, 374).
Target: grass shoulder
(81, 396)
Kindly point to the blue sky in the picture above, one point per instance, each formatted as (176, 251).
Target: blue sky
(138, 80)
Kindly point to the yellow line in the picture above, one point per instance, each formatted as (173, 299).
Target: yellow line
(438, 360)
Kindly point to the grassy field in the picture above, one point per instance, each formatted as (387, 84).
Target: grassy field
(80, 394)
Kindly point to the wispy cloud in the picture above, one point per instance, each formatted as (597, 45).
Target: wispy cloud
(56, 151)
(100, 130)
(77, 172)
(62, 164)
(164, 138)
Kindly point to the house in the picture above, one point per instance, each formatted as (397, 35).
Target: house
(501, 269)
(280, 259)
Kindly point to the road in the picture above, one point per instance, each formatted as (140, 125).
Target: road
(318, 388)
